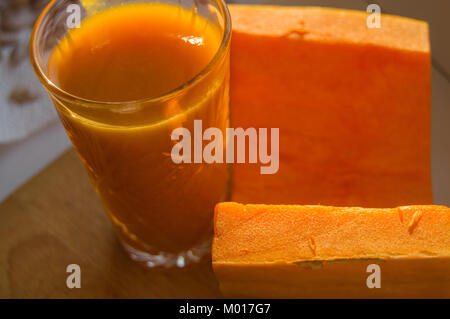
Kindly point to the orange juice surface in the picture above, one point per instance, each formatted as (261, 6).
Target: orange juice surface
(127, 55)
(133, 52)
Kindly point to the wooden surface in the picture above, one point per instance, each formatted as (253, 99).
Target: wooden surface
(56, 219)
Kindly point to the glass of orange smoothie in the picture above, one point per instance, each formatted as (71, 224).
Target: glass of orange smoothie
(123, 75)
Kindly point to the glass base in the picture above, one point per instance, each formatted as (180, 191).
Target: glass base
(169, 260)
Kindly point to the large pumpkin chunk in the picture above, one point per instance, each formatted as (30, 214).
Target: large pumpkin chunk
(352, 105)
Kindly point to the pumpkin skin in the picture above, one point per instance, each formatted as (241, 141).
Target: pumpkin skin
(352, 105)
(294, 251)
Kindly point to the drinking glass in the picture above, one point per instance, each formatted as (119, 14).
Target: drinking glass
(162, 210)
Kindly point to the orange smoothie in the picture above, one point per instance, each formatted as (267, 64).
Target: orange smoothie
(129, 60)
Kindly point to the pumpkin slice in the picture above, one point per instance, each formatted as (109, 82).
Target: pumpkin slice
(293, 251)
(352, 105)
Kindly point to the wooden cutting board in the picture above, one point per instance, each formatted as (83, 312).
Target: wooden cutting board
(56, 219)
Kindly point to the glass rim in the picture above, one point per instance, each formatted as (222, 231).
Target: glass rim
(60, 93)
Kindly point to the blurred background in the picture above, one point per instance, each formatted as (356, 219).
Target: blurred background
(31, 137)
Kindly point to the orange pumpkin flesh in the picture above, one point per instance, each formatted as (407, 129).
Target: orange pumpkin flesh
(352, 105)
(293, 251)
